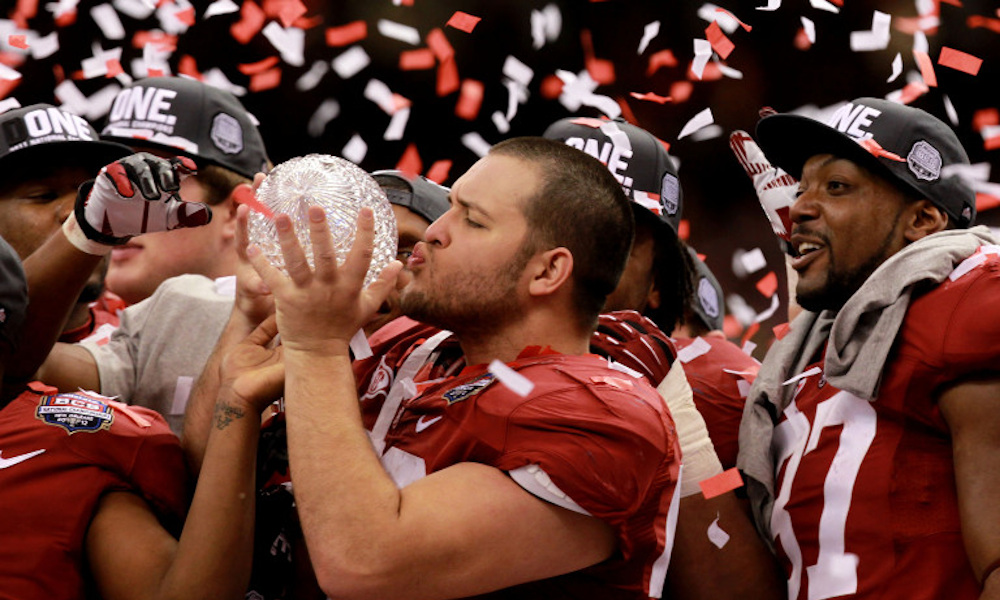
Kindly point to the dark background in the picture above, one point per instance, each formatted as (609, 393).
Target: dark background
(720, 205)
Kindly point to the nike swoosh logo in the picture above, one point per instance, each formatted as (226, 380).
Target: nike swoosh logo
(423, 422)
(10, 462)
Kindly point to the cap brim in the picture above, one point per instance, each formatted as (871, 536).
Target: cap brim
(91, 154)
(791, 140)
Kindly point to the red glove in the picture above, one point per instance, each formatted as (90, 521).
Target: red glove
(632, 340)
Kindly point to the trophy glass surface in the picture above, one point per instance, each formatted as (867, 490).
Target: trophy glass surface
(341, 188)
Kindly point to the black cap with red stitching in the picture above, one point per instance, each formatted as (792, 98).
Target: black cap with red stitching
(43, 128)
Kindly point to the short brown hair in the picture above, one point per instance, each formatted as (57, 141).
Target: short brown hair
(218, 182)
(581, 207)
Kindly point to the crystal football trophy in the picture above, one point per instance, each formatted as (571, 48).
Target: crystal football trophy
(342, 189)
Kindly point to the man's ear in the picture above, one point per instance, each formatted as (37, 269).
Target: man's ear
(549, 270)
(925, 219)
(226, 210)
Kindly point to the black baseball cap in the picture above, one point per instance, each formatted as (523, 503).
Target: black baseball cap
(36, 128)
(706, 300)
(902, 143)
(415, 192)
(13, 297)
(637, 159)
(188, 117)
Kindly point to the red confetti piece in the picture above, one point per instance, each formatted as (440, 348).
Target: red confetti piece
(628, 115)
(399, 101)
(286, 11)
(735, 18)
(658, 60)
(346, 34)
(244, 194)
(802, 41)
(878, 151)
(259, 66)
(414, 60)
(27, 8)
(711, 72)
(185, 16)
(463, 21)
(470, 99)
(768, 285)
(114, 68)
(438, 172)
(957, 3)
(725, 481)
(651, 97)
(439, 44)
(251, 21)
(992, 143)
(926, 68)
(684, 229)
(66, 19)
(680, 91)
(720, 43)
(912, 91)
(447, 77)
(781, 331)
(308, 22)
(986, 202)
(731, 327)
(602, 71)
(151, 72)
(410, 163)
(960, 61)
(159, 39)
(749, 333)
(984, 118)
(551, 87)
(265, 80)
(986, 22)
(7, 86)
(188, 66)
(701, 256)
(18, 41)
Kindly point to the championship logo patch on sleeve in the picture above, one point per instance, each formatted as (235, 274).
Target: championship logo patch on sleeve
(75, 412)
(466, 390)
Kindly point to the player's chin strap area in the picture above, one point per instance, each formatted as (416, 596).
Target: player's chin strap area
(402, 386)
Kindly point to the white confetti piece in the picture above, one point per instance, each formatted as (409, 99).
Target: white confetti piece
(220, 7)
(511, 379)
(107, 19)
(767, 314)
(167, 15)
(897, 68)
(730, 72)
(650, 31)
(707, 133)
(290, 42)
(182, 391)
(771, 5)
(810, 28)
(697, 348)
(742, 385)
(702, 119)
(702, 54)
(546, 25)
(622, 368)
(351, 62)
(824, 5)
(501, 122)
(949, 109)
(324, 113)
(726, 22)
(216, 78)
(379, 93)
(748, 262)
(61, 7)
(9, 104)
(517, 70)
(398, 31)
(618, 137)
(97, 65)
(359, 345)
(967, 265)
(875, 39)
(748, 347)
(44, 46)
(397, 124)
(137, 9)
(9, 74)
(716, 535)
(803, 375)
(739, 308)
(311, 78)
(517, 94)
(920, 43)
(475, 142)
(355, 149)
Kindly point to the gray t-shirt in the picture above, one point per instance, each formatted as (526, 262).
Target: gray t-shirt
(162, 343)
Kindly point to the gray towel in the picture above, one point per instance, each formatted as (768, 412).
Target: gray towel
(858, 339)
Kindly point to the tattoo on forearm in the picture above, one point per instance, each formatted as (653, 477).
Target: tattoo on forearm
(226, 414)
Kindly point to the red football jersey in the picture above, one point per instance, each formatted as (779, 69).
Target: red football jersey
(59, 453)
(866, 504)
(719, 379)
(583, 424)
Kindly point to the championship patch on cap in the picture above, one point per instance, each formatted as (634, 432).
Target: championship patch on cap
(708, 297)
(670, 194)
(226, 134)
(75, 412)
(924, 161)
(466, 390)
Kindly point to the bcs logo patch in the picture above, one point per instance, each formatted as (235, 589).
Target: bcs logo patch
(468, 389)
(75, 412)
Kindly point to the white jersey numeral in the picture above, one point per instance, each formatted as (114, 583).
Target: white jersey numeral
(836, 570)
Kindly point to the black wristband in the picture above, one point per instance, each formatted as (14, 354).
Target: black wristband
(85, 227)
